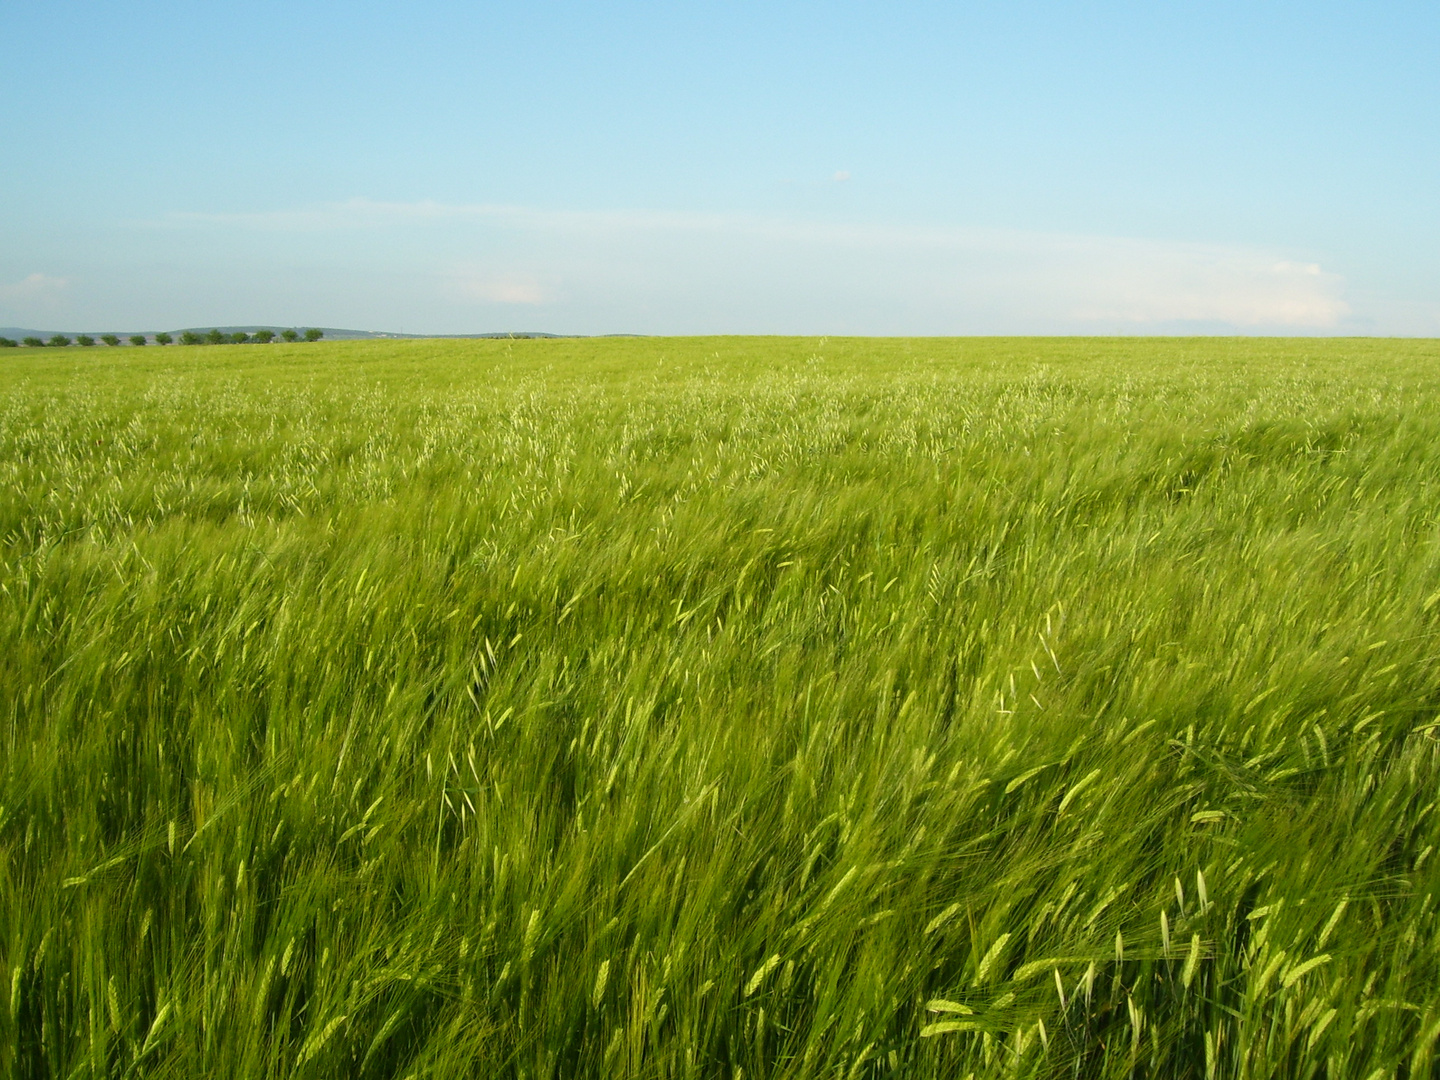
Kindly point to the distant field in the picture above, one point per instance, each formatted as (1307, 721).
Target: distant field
(721, 707)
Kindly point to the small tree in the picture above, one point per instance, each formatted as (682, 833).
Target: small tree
(264, 337)
(59, 341)
(34, 342)
(7, 343)
(215, 337)
(110, 339)
(84, 339)
(160, 339)
(189, 337)
(313, 334)
(240, 337)
(289, 335)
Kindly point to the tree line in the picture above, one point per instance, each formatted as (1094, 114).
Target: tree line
(188, 337)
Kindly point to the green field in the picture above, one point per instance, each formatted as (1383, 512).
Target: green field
(721, 707)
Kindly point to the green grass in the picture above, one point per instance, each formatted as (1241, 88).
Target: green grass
(691, 708)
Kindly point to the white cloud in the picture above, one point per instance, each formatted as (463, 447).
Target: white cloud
(665, 271)
(841, 176)
(37, 293)
(521, 289)
(1136, 282)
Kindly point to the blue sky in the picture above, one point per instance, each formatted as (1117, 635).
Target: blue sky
(740, 167)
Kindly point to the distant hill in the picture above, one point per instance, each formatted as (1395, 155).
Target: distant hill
(332, 333)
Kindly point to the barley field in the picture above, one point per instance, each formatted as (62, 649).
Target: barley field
(732, 708)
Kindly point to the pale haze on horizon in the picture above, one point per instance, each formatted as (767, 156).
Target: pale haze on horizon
(906, 168)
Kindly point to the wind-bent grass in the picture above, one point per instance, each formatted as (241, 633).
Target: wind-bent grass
(668, 708)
